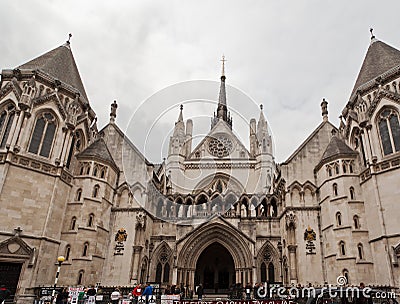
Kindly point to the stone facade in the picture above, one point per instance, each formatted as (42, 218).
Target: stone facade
(218, 213)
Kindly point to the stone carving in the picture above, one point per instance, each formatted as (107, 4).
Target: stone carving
(120, 238)
(141, 221)
(310, 236)
(290, 219)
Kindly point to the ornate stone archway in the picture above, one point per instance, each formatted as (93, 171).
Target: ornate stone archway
(190, 248)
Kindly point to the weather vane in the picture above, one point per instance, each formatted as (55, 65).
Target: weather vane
(223, 65)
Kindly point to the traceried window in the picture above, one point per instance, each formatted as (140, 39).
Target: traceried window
(6, 119)
(389, 131)
(43, 134)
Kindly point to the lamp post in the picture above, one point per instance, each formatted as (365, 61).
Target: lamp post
(60, 259)
(280, 258)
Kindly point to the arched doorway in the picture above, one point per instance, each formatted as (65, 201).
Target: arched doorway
(215, 269)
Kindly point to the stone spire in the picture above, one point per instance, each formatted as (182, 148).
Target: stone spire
(222, 108)
(263, 136)
(179, 129)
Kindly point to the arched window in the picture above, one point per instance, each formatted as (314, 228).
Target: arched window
(43, 134)
(67, 252)
(80, 277)
(271, 272)
(344, 168)
(263, 272)
(158, 272)
(337, 169)
(6, 120)
(360, 251)
(342, 248)
(96, 191)
(91, 220)
(78, 194)
(351, 167)
(330, 171)
(73, 223)
(335, 190)
(352, 195)
(338, 219)
(346, 275)
(166, 273)
(389, 131)
(274, 207)
(103, 173)
(95, 169)
(356, 221)
(85, 249)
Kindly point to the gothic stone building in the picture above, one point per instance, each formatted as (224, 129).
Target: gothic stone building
(218, 213)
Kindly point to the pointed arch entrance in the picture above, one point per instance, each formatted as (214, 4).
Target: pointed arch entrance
(230, 243)
(215, 269)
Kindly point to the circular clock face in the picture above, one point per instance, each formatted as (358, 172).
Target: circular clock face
(220, 146)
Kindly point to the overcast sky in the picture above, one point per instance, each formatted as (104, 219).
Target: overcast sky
(286, 55)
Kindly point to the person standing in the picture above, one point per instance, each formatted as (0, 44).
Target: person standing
(137, 292)
(115, 296)
(91, 295)
(200, 292)
(148, 292)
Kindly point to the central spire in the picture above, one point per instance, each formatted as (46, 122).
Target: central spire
(222, 109)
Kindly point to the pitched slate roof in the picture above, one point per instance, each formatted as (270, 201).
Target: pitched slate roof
(60, 64)
(380, 58)
(99, 150)
(337, 147)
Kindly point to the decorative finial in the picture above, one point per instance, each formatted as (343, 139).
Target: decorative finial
(223, 65)
(261, 107)
(371, 30)
(324, 109)
(181, 107)
(69, 38)
(113, 113)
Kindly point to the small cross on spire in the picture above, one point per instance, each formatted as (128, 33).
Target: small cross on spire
(261, 107)
(223, 65)
(69, 38)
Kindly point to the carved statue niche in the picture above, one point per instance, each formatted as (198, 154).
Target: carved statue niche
(141, 221)
(72, 110)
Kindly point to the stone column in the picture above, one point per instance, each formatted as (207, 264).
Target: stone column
(293, 262)
(17, 131)
(135, 263)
